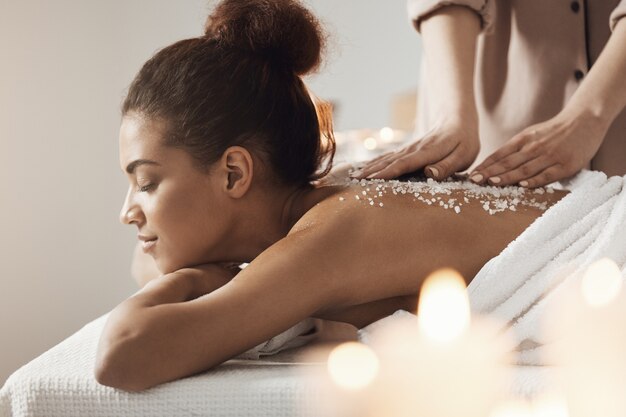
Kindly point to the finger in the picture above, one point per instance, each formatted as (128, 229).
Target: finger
(407, 163)
(509, 148)
(367, 167)
(504, 165)
(381, 156)
(545, 177)
(377, 166)
(526, 170)
(457, 160)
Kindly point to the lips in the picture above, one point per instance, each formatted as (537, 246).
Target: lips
(147, 242)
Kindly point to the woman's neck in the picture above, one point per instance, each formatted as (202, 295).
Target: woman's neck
(269, 216)
(303, 199)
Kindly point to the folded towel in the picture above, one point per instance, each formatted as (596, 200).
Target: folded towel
(296, 336)
(525, 278)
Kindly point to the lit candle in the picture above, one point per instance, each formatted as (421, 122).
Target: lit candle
(387, 134)
(345, 384)
(443, 364)
(370, 143)
(513, 408)
(589, 326)
(352, 365)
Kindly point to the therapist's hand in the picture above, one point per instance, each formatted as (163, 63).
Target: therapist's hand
(448, 148)
(544, 153)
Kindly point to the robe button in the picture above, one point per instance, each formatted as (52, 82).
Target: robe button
(578, 74)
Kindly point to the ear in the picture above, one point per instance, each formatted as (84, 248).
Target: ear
(238, 167)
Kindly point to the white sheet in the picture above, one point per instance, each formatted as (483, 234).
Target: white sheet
(60, 383)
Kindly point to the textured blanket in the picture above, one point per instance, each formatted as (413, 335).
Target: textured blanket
(60, 383)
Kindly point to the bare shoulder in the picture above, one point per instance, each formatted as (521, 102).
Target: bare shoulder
(339, 210)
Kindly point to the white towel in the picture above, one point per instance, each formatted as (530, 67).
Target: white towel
(296, 336)
(519, 284)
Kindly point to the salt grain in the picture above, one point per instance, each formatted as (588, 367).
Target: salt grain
(492, 199)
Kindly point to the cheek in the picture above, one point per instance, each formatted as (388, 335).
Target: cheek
(173, 215)
(184, 221)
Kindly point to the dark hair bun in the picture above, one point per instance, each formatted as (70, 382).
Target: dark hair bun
(282, 31)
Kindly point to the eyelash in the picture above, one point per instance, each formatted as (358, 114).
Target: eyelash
(145, 188)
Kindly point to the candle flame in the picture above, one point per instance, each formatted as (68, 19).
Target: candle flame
(443, 312)
(513, 408)
(601, 283)
(352, 365)
(550, 407)
(370, 143)
(386, 134)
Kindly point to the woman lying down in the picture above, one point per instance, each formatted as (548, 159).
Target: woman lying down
(222, 147)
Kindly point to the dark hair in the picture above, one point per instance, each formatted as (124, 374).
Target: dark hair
(240, 85)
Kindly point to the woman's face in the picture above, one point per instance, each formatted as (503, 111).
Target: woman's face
(179, 211)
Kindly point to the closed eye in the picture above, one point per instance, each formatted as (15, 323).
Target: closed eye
(145, 188)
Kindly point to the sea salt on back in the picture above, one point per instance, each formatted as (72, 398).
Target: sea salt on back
(492, 199)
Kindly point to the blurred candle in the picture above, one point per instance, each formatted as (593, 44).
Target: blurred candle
(542, 406)
(352, 365)
(513, 408)
(588, 324)
(344, 384)
(550, 406)
(370, 143)
(443, 364)
(443, 314)
(387, 134)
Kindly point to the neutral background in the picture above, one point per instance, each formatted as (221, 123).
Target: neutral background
(64, 67)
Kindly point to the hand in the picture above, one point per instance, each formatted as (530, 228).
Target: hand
(544, 153)
(207, 278)
(143, 268)
(446, 149)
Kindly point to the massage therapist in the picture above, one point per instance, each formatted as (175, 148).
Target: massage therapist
(534, 90)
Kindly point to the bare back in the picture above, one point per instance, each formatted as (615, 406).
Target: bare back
(384, 240)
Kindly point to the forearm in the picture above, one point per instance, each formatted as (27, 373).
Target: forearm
(183, 285)
(146, 326)
(170, 288)
(602, 94)
(449, 42)
(137, 345)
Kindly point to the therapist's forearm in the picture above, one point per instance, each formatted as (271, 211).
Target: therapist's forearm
(602, 94)
(449, 41)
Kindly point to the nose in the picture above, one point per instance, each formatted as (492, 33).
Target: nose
(131, 212)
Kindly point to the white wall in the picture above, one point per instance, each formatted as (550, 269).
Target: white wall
(64, 66)
(374, 54)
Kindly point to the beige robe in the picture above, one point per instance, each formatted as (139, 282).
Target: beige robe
(531, 57)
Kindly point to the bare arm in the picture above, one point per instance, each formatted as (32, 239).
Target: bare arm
(602, 93)
(189, 321)
(449, 39)
(563, 145)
